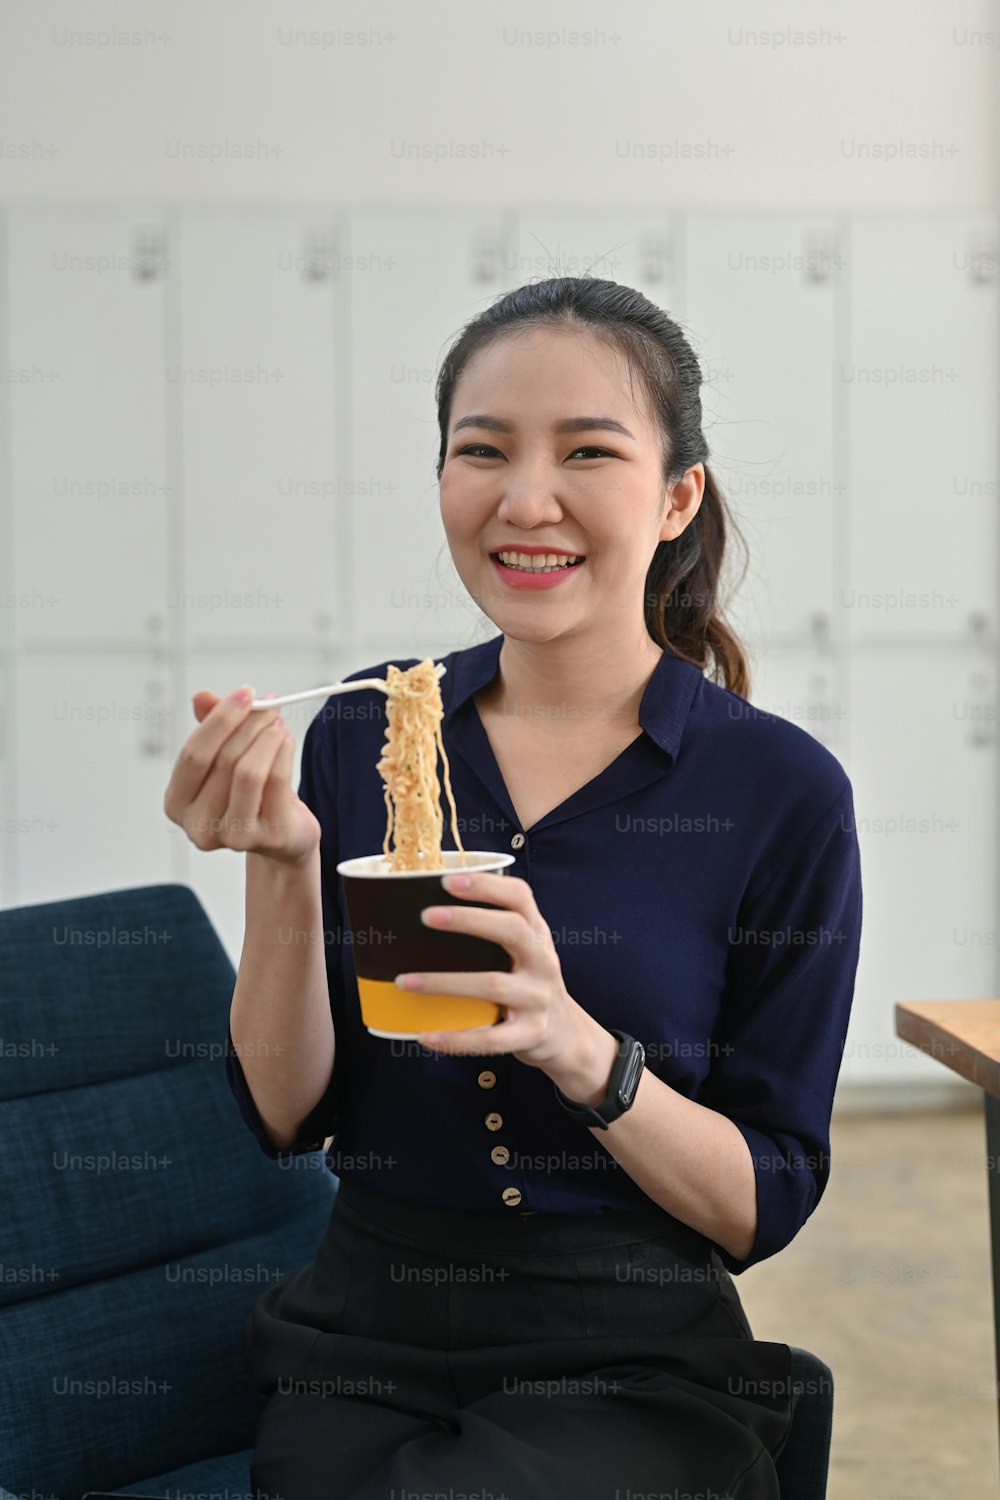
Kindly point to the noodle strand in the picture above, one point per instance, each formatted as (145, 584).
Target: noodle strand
(408, 767)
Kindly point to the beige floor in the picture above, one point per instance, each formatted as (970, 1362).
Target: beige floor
(889, 1281)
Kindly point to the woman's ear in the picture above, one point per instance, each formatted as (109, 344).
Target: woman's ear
(683, 500)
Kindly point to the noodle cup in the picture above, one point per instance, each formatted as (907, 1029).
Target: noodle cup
(384, 906)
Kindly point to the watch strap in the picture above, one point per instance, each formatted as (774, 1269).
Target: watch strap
(610, 1107)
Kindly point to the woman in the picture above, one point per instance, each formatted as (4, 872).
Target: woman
(525, 1287)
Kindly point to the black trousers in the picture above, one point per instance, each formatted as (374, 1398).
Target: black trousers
(512, 1356)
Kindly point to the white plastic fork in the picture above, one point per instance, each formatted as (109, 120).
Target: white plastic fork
(334, 687)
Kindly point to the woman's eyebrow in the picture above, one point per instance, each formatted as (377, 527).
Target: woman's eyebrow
(569, 424)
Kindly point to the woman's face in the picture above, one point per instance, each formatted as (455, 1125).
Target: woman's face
(595, 491)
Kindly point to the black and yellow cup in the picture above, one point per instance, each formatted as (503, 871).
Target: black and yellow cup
(388, 938)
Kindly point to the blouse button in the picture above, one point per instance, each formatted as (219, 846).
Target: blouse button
(494, 1121)
(500, 1156)
(516, 843)
(487, 1079)
(511, 1195)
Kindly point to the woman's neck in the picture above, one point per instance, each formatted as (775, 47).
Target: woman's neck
(572, 683)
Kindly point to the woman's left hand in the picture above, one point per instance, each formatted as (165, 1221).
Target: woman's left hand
(543, 1025)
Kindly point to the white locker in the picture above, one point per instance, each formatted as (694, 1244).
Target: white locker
(223, 442)
(634, 247)
(805, 686)
(923, 766)
(88, 460)
(430, 271)
(921, 379)
(93, 738)
(759, 307)
(254, 381)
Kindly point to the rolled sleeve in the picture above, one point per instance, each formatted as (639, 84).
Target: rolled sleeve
(790, 985)
(317, 790)
(319, 1123)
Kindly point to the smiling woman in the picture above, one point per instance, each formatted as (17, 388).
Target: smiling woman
(526, 1284)
(575, 358)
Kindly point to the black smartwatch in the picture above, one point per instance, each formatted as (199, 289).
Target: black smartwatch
(622, 1085)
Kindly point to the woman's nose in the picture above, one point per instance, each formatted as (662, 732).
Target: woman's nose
(529, 498)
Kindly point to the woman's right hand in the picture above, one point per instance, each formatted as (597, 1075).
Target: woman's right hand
(231, 783)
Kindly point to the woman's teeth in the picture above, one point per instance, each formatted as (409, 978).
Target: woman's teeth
(542, 562)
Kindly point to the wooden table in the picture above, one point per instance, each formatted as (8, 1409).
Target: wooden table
(965, 1036)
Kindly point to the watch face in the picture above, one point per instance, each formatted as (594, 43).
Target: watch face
(631, 1079)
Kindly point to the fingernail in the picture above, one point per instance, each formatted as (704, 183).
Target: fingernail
(242, 694)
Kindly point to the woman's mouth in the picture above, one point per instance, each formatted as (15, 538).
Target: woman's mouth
(540, 571)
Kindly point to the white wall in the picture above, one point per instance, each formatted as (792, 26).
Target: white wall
(732, 107)
(836, 122)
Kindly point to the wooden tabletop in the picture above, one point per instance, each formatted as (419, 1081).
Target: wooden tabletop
(964, 1035)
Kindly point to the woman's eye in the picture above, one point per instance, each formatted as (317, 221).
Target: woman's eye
(484, 450)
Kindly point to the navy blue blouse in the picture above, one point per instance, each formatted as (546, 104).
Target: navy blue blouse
(703, 893)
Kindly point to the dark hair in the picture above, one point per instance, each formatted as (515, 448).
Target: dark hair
(682, 606)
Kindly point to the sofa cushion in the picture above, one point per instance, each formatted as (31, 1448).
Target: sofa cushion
(109, 986)
(140, 1372)
(111, 1177)
(141, 1220)
(225, 1478)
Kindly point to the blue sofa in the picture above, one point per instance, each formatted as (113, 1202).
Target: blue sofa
(141, 1220)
